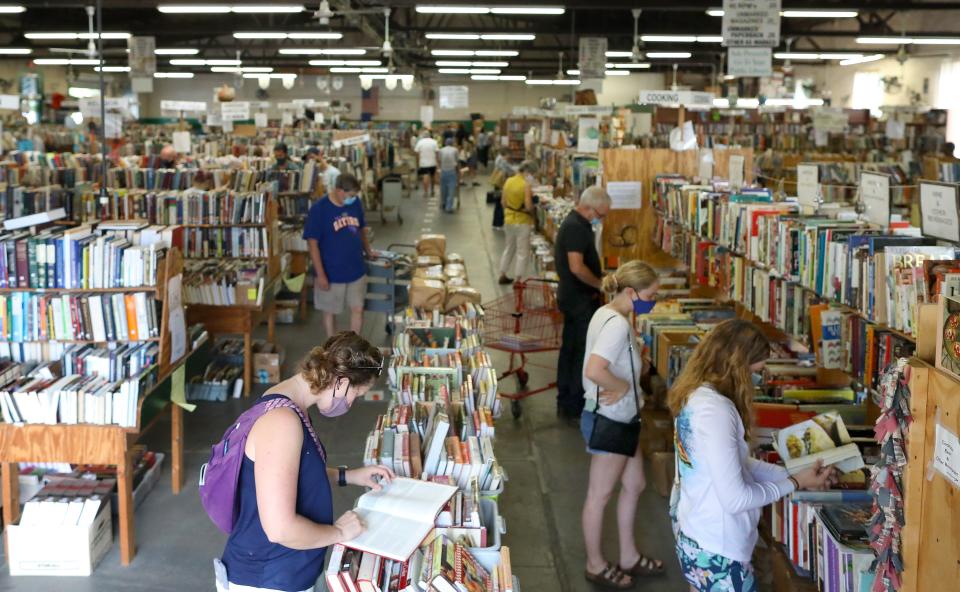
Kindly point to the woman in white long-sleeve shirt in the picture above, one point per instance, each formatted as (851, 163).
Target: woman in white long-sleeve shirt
(721, 487)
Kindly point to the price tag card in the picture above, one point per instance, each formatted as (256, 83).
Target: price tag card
(875, 193)
(940, 211)
(808, 185)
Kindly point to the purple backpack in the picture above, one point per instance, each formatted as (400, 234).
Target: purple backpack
(220, 475)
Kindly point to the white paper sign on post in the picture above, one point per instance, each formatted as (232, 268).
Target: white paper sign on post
(10, 102)
(177, 322)
(588, 134)
(113, 126)
(808, 186)
(260, 119)
(454, 97)
(226, 125)
(875, 193)
(593, 57)
(940, 211)
(750, 61)
(426, 115)
(751, 23)
(318, 117)
(625, 195)
(735, 170)
(181, 142)
(946, 454)
(235, 111)
(214, 118)
(286, 118)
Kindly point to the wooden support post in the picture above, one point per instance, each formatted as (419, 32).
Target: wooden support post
(272, 322)
(128, 536)
(176, 447)
(11, 499)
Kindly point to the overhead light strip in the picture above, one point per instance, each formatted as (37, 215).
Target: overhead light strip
(862, 60)
(321, 51)
(500, 77)
(908, 40)
(328, 63)
(816, 56)
(68, 36)
(173, 74)
(529, 10)
(718, 12)
(225, 8)
(15, 51)
(682, 55)
(460, 64)
(482, 36)
(552, 81)
(66, 62)
(241, 69)
(482, 53)
(176, 51)
(198, 62)
(283, 35)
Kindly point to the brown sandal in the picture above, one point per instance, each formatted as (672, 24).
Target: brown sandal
(645, 566)
(611, 577)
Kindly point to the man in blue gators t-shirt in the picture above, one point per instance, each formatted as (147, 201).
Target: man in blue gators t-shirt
(335, 231)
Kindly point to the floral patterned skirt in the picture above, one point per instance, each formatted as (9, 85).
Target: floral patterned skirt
(709, 572)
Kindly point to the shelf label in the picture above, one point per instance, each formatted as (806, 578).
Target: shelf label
(751, 23)
(946, 454)
(875, 193)
(735, 170)
(749, 61)
(686, 98)
(940, 211)
(808, 186)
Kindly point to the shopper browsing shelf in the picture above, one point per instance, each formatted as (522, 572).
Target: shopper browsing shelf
(517, 201)
(578, 293)
(722, 489)
(483, 148)
(329, 172)
(282, 159)
(169, 157)
(449, 175)
(285, 520)
(426, 149)
(611, 374)
(335, 231)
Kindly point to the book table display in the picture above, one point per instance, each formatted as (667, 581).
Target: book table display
(109, 444)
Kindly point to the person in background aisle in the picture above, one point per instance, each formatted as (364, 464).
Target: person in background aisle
(330, 174)
(611, 374)
(720, 489)
(949, 150)
(426, 150)
(282, 157)
(483, 148)
(370, 148)
(449, 132)
(460, 134)
(578, 293)
(517, 200)
(449, 175)
(335, 231)
(168, 157)
(285, 507)
(312, 153)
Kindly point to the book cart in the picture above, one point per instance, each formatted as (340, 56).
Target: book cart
(108, 444)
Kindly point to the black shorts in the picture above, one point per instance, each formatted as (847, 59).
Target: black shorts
(427, 171)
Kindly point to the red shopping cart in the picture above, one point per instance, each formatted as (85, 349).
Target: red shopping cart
(524, 322)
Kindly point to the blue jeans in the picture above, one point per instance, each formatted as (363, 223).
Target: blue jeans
(448, 188)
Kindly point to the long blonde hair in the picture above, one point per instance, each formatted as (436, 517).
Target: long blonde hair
(723, 361)
(632, 274)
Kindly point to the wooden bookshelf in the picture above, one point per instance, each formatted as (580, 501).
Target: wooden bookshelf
(107, 444)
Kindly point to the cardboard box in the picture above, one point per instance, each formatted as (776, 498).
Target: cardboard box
(662, 465)
(246, 294)
(656, 431)
(59, 550)
(267, 361)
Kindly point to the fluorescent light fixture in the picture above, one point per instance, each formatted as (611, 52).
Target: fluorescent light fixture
(191, 62)
(329, 63)
(619, 54)
(709, 38)
(66, 62)
(840, 56)
(271, 75)
(240, 69)
(259, 35)
(573, 72)
(176, 51)
(454, 36)
(496, 53)
(315, 35)
(12, 9)
(15, 51)
(219, 62)
(485, 70)
(112, 68)
(627, 66)
(173, 74)
(82, 92)
(936, 40)
(452, 52)
(862, 60)
(352, 70)
(552, 81)
(468, 70)
(431, 9)
(885, 40)
(617, 72)
(452, 64)
(508, 37)
(819, 13)
(665, 38)
(74, 36)
(527, 10)
(225, 8)
(321, 51)
(385, 76)
(715, 12)
(668, 54)
(503, 77)
(282, 35)
(816, 56)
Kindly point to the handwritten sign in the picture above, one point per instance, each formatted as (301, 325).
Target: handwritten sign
(750, 61)
(260, 119)
(625, 195)
(751, 23)
(181, 142)
(235, 111)
(875, 193)
(946, 454)
(735, 170)
(454, 97)
(593, 57)
(940, 211)
(808, 185)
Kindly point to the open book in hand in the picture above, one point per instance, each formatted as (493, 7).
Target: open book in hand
(399, 517)
(824, 437)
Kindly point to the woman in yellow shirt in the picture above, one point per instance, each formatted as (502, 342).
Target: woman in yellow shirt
(517, 200)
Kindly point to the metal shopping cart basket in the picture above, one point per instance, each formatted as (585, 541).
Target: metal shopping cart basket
(388, 281)
(524, 322)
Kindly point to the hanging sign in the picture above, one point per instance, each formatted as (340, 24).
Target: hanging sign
(181, 142)
(593, 57)
(113, 126)
(260, 119)
(735, 170)
(581, 110)
(10, 102)
(286, 118)
(588, 134)
(454, 97)
(808, 185)
(426, 115)
(90, 107)
(940, 211)
(214, 117)
(235, 111)
(751, 23)
(829, 120)
(183, 106)
(750, 61)
(142, 58)
(227, 125)
(875, 193)
(675, 97)
(318, 117)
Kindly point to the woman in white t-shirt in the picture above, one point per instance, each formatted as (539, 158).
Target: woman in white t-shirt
(611, 371)
(721, 487)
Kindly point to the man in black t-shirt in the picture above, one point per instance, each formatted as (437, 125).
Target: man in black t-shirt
(578, 294)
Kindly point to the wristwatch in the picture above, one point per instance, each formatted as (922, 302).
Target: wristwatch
(342, 475)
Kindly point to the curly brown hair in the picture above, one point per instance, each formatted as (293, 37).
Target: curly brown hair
(345, 355)
(723, 361)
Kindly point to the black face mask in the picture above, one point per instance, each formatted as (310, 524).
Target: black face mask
(166, 164)
(281, 160)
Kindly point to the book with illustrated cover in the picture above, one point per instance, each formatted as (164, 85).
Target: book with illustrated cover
(824, 437)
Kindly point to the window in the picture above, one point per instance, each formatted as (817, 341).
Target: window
(867, 92)
(947, 88)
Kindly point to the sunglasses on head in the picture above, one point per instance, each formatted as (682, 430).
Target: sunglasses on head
(379, 368)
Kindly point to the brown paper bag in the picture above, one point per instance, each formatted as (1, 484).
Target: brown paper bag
(432, 244)
(427, 294)
(460, 296)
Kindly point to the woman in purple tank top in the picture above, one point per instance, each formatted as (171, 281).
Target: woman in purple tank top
(285, 521)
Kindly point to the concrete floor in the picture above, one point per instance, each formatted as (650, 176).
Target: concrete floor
(544, 458)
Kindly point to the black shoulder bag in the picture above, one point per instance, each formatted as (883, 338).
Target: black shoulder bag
(610, 435)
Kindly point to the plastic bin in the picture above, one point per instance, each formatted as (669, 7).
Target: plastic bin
(490, 560)
(496, 527)
(494, 494)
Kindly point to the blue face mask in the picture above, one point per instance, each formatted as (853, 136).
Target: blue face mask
(596, 222)
(350, 200)
(757, 378)
(643, 306)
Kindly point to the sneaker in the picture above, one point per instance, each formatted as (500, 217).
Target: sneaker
(504, 280)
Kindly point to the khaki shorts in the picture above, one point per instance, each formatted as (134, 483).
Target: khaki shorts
(332, 300)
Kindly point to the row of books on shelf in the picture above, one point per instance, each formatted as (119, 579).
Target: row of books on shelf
(418, 342)
(84, 257)
(194, 207)
(465, 319)
(17, 200)
(206, 243)
(73, 502)
(291, 238)
(224, 283)
(26, 316)
(295, 205)
(474, 386)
